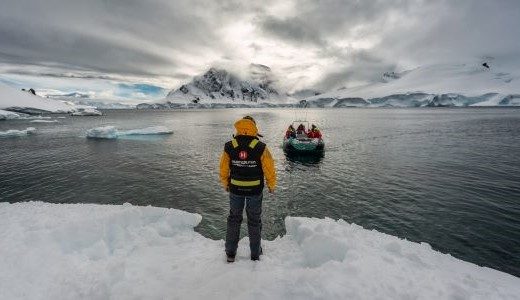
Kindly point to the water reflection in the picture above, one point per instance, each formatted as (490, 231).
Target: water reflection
(306, 159)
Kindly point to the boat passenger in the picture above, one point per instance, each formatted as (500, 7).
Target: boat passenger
(301, 129)
(314, 133)
(290, 133)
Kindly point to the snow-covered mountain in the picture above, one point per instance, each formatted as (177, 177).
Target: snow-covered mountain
(221, 86)
(471, 84)
(22, 101)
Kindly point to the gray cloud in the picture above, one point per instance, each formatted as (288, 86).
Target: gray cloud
(291, 29)
(399, 34)
(128, 37)
(325, 44)
(362, 66)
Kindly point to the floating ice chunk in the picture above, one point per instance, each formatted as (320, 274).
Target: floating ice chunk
(110, 132)
(87, 111)
(15, 133)
(44, 121)
(147, 131)
(105, 132)
(8, 115)
(37, 118)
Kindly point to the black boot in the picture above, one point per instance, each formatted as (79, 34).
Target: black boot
(230, 257)
(257, 257)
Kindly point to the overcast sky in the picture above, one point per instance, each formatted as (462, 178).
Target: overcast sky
(101, 45)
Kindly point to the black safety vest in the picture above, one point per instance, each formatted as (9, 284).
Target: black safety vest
(247, 177)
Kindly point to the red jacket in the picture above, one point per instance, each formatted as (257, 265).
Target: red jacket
(314, 134)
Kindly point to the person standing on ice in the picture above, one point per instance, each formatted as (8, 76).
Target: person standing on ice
(243, 165)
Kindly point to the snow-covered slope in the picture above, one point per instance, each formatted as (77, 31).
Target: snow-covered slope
(219, 85)
(85, 251)
(16, 100)
(436, 85)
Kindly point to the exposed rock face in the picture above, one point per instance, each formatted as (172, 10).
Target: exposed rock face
(30, 91)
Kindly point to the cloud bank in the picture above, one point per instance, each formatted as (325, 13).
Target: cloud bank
(323, 44)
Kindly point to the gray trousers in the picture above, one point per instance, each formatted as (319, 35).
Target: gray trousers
(253, 206)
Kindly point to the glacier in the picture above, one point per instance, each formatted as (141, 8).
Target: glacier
(438, 85)
(90, 251)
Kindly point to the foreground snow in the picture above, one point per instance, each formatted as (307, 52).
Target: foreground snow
(16, 133)
(110, 132)
(85, 251)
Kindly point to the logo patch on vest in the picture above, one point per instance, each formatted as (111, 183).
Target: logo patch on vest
(242, 155)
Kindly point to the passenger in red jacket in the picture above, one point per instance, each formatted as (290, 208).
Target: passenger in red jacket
(301, 129)
(314, 133)
(290, 133)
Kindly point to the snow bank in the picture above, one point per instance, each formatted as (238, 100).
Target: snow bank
(15, 133)
(86, 251)
(110, 132)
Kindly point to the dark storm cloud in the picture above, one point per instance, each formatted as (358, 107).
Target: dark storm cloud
(129, 37)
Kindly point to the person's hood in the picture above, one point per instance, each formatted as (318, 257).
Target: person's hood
(246, 127)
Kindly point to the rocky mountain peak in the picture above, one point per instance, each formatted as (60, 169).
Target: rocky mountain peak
(218, 84)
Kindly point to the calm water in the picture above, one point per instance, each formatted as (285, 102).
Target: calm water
(448, 177)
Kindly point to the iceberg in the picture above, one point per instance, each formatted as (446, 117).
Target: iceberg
(43, 121)
(16, 133)
(89, 251)
(87, 111)
(105, 132)
(110, 132)
(147, 131)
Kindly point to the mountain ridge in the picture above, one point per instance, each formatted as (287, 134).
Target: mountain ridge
(220, 85)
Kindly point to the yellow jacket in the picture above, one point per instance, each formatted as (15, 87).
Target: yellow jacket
(248, 127)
